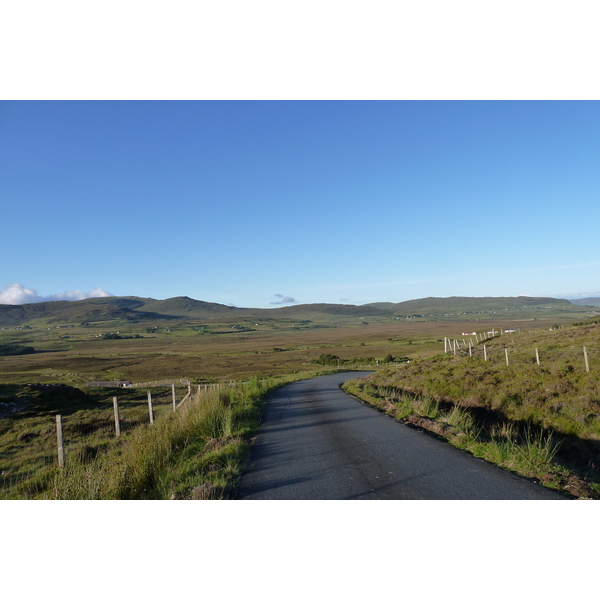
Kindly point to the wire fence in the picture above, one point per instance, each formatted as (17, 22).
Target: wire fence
(36, 446)
(513, 353)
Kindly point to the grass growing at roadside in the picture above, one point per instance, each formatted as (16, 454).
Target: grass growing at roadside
(521, 450)
(527, 401)
(196, 453)
(28, 440)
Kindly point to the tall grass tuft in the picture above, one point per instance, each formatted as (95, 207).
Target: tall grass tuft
(538, 449)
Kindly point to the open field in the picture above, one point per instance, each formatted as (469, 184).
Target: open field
(207, 358)
(71, 352)
(225, 347)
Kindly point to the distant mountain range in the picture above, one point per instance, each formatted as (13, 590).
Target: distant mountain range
(587, 301)
(134, 309)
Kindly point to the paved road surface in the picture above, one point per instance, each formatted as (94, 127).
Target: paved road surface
(316, 442)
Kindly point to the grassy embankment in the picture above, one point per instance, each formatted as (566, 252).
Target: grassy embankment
(541, 421)
(197, 452)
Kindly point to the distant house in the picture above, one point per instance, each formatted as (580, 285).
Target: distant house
(469, 333)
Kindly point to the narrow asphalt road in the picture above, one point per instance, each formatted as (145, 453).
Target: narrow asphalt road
(318, 443)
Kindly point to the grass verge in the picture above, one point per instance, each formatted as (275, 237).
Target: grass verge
(517, 447)
(196, 453)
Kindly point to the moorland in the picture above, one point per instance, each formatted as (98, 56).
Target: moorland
(140, 339)
(49, 351)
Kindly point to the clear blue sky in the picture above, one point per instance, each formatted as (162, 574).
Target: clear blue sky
(255, 202)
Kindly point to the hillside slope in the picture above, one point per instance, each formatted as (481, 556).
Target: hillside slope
(531, 392)
(587, 301)
(134, 309)
(466, 304)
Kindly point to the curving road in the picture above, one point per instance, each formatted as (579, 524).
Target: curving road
(318, 443)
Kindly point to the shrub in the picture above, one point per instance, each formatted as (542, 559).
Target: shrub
(15, 349)
(327, 359)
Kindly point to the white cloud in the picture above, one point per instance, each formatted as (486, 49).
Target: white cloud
(77, 295)
(15, 293)
(284, 299)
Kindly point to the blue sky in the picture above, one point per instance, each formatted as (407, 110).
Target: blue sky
(253, 203)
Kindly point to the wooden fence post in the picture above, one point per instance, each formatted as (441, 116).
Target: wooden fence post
(60, 441)
(150, 411)
(537, 357)
(470, 349)
(117, 419)
(506, 354)
(174, 399)
(585, 356)
(188, 395)
(484, 353)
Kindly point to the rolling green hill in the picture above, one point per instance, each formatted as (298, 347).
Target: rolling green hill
(466, 304)
(136, 310)
(365, 310)
(90, 310)
(587, 301)
(182, 306)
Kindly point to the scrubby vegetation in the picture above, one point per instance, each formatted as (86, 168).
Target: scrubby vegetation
(118, 336)
(15, 349)
(333, 360)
